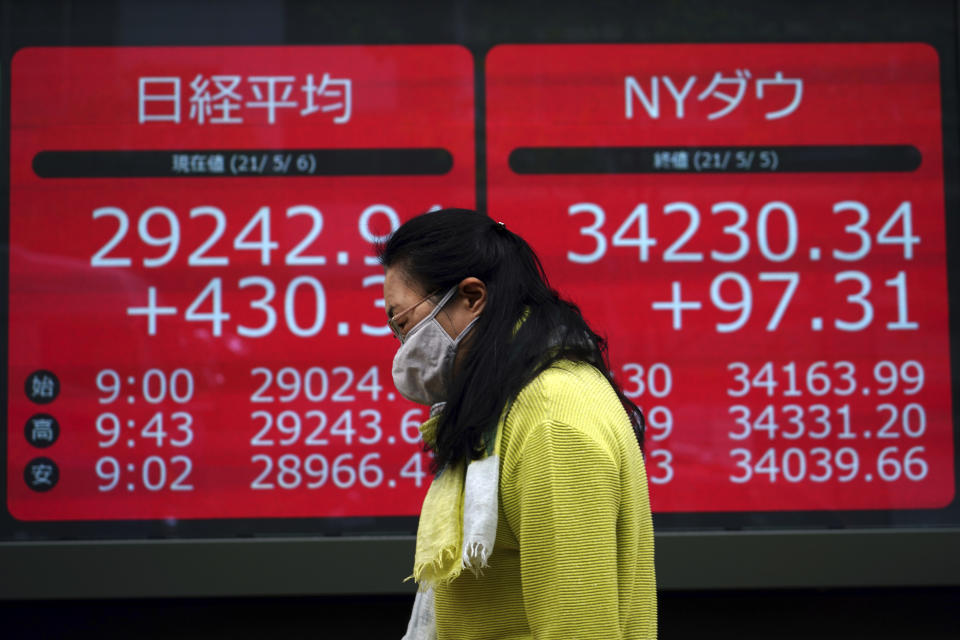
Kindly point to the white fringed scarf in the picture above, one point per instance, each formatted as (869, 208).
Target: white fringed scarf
(457, 530)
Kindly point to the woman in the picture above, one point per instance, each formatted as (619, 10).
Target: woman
(540, 490)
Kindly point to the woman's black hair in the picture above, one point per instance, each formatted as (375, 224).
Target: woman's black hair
(438, 250)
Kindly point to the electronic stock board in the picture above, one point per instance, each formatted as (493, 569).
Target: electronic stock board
(197, 342)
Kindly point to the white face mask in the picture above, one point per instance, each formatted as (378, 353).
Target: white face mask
(423, 365)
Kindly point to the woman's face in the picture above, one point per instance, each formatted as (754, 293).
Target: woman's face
(401, 292)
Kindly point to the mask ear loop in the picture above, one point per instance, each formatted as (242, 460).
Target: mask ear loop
(433, 314)
(463, 334)
(466, 329)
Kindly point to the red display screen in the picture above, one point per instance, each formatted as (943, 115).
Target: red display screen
(759, 230)
(196, 322)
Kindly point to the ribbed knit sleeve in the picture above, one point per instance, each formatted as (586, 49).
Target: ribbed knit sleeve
(564, 500)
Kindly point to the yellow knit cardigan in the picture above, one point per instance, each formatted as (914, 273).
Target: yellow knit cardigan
(573, 556)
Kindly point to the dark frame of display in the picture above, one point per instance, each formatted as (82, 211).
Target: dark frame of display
(378, 564)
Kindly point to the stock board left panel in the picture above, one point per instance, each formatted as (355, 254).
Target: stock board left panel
(197, 326)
